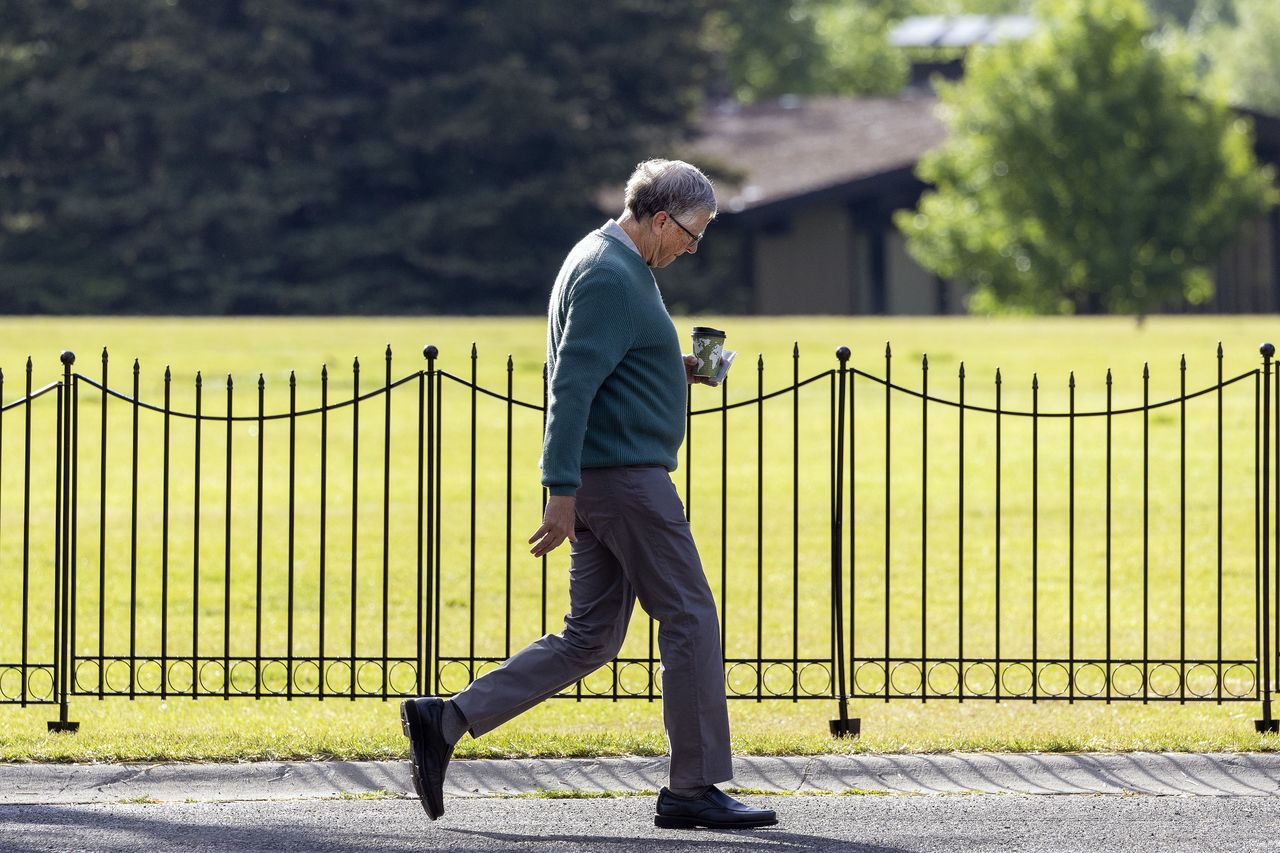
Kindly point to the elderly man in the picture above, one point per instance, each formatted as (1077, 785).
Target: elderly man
(615, 421)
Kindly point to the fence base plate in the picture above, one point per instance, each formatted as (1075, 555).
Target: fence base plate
(60, 726)
(846, 728)
(1265, 726)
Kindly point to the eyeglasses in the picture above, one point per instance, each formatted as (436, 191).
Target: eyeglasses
(694, 239)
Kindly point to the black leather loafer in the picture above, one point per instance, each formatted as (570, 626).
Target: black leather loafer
(429, 753)
(714, 809)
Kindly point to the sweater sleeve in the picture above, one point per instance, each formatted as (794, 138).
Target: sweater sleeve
(597, 333)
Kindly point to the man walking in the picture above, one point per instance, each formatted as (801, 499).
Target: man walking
(615, 422)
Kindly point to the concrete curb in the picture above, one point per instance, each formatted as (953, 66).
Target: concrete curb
(1159, 774)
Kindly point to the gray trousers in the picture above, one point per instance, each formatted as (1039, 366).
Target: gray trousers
(633, 542)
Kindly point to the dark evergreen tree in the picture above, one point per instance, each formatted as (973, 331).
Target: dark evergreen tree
(290, 156)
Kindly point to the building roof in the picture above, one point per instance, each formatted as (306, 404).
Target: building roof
(796, 147)
(960, 30)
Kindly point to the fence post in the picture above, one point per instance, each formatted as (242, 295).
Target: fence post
(427, 679)
(62, 565)
(842, 726)
(1267, 723)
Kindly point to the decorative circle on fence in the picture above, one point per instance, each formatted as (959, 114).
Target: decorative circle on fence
(980, 679)
(1242, 675)
(810, 685)
(403, 678)
(484, 667)
(149, 677)
(275, 677)
(1164, 679)
(306, 677)
(950, 679)
(207, 685)
(1202, 681)
(742, 679)
(868, 677)
(913, 679)
(1017, 679)
(119, 675)
(83, 683)
(600, 682)
(1124, 683)
(1053, 680)
(341, 684)
(369, 677)
(1093, 684)
(180, 676)
(40, 684)
(453, 677)
(11, 683)
(244, 677)
(634, 678)
(779, 685)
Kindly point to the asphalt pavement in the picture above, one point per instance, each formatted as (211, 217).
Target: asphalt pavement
(1133, 802)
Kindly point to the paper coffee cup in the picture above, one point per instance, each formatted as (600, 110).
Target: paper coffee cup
(708, 347)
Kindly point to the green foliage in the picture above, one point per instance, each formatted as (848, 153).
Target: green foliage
(807, 47)
(1247, 55)
(372, 156)
(1081, 174)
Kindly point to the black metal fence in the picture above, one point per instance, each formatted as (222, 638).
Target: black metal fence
(864, 539)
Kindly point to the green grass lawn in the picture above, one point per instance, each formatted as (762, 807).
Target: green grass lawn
(771, 571)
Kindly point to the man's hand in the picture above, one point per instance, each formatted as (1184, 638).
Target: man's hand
(690, 362)
(557, 525)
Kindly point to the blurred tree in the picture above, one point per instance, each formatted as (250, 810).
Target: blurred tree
(350, 156)
(1080, 174)
(1247, 55)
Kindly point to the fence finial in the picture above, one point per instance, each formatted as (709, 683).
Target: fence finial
(1268, 350)
(795, 349)
(1182, 365)
(997, 376)
(1108, 375)
(429, 352)
(1146, 370)
(962, 370)
(68, 357)
(1219, 349)
(167, 375)
(1071, 379)
(262, 382)
(843, 354)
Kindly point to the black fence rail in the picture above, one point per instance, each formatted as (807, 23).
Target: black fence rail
(864, 539)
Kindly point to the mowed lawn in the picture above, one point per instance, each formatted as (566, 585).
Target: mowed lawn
(765, 537)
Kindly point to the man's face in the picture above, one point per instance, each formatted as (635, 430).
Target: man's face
(676, 236)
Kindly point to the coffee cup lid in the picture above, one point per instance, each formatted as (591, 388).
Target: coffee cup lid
(708, 332)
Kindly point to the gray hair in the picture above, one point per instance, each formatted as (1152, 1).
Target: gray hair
(671, 185)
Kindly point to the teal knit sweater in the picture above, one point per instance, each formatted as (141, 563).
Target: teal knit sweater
(616, 379)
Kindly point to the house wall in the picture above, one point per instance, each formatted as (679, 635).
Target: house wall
(1245, 275)
(804, 264)
(912, 289)
(820, 262)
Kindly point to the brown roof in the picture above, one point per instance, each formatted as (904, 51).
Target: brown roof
(794, 146)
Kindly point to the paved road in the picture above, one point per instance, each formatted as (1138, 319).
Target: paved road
(978, 822)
